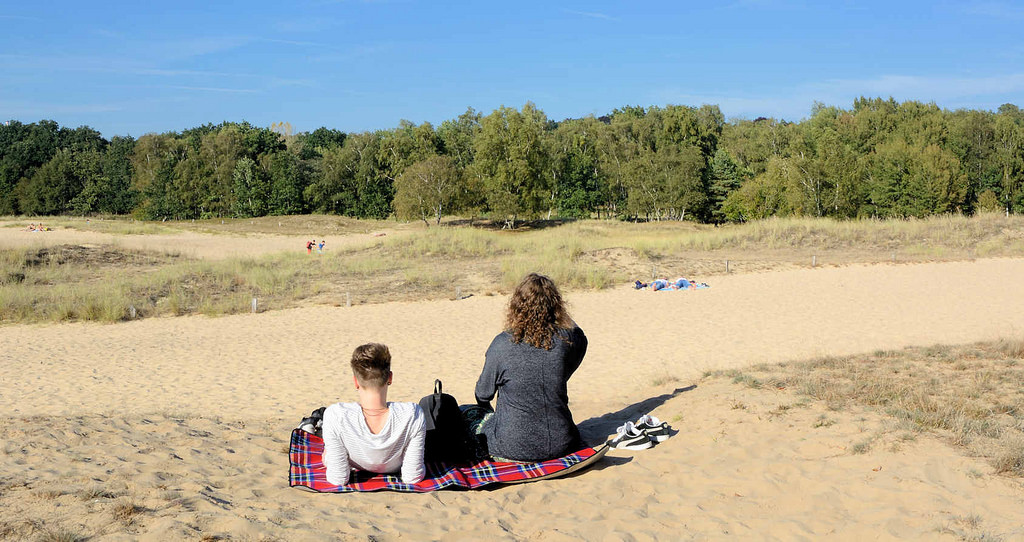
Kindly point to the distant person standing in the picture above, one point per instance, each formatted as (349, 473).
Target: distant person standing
(320, 247)
(309, 246)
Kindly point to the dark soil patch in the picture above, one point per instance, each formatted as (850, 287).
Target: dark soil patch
(95, 256)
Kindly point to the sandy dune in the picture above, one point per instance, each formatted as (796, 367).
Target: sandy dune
(187, 418)
(190, 244)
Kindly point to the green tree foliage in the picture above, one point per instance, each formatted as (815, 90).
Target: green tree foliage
(761, 197)
(972, 141)
(726, 177)
(1009, 157)
(352, 180)
(658, 160)
(24, 148)
(907, 181)
(878, 158)
(754, 143)
(251, 189)
(289, 177)
(154, 162)
(54, 185)
(512, 158)
(313, 144)
(457, 137)
(579, 187)
(428, 188)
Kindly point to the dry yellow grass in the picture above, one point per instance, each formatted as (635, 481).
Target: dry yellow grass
(105, 283)
(973, 395)
(270, 225)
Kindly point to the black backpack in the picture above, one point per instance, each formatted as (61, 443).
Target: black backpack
(446, 429)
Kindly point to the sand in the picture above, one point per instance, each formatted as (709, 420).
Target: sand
(183, 243)
(184, 421)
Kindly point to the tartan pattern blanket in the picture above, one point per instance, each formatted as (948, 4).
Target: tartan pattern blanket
(307, 469)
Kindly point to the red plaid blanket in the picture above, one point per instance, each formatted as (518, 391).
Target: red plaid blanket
(307, 469)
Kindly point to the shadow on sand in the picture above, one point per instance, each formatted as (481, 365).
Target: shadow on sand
(595, 430)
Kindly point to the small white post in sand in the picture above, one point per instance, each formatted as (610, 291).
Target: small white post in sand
(814, 261)
(894, 256)
(348, 299)
(726, 267)
(458, 293)
(254, 305)
(131, 312)
(654, 272)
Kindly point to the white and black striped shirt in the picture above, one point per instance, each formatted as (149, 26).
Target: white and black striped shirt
(349, 444)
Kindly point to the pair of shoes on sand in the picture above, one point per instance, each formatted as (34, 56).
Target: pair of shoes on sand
(640, 435)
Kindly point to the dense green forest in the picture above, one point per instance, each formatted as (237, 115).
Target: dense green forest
(879, 158)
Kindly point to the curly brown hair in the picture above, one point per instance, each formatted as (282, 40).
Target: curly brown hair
(536, 312)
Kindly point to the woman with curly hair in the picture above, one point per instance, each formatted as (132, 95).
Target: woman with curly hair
(527, 366)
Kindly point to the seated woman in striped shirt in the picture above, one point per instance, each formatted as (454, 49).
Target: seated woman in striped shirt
(373, 435)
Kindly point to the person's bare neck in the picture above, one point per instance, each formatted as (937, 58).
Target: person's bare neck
(373, 399)
(374, 403)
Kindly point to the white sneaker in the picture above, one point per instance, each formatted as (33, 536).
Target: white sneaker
(657, 430)
(630, 438)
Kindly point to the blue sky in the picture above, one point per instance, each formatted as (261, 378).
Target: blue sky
(138, 67)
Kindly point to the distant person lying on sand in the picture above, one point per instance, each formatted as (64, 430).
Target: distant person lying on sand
(664, 284)
(373, 435)
(528, 366)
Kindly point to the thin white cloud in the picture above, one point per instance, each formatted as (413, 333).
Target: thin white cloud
(591, 14)
(304, 25)
(215, 89)
(286, 82)
(200, 46)
(296, 42)
(927, 88)
(15, 109)
(794, 103)
(122, 66)
(106, 33)
(183, 73)
(353, 53)
(57, 63)
(999, 10)
(764, 4)
(20, 18)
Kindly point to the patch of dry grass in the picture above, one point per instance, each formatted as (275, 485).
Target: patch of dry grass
(281, 225)
(973, 395)
(96, 492)
(125, 510)
(61, 534)
(110, 284)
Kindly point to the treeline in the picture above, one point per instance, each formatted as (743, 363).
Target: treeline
(878, 159)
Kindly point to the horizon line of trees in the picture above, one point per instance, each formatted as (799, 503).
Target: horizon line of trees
(880, 158)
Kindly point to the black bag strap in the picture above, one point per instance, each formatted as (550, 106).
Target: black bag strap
(437, 386)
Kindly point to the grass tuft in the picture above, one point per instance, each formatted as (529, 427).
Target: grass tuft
(1011, 459)
(125, 510)
(61, 535)
(95, 492)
